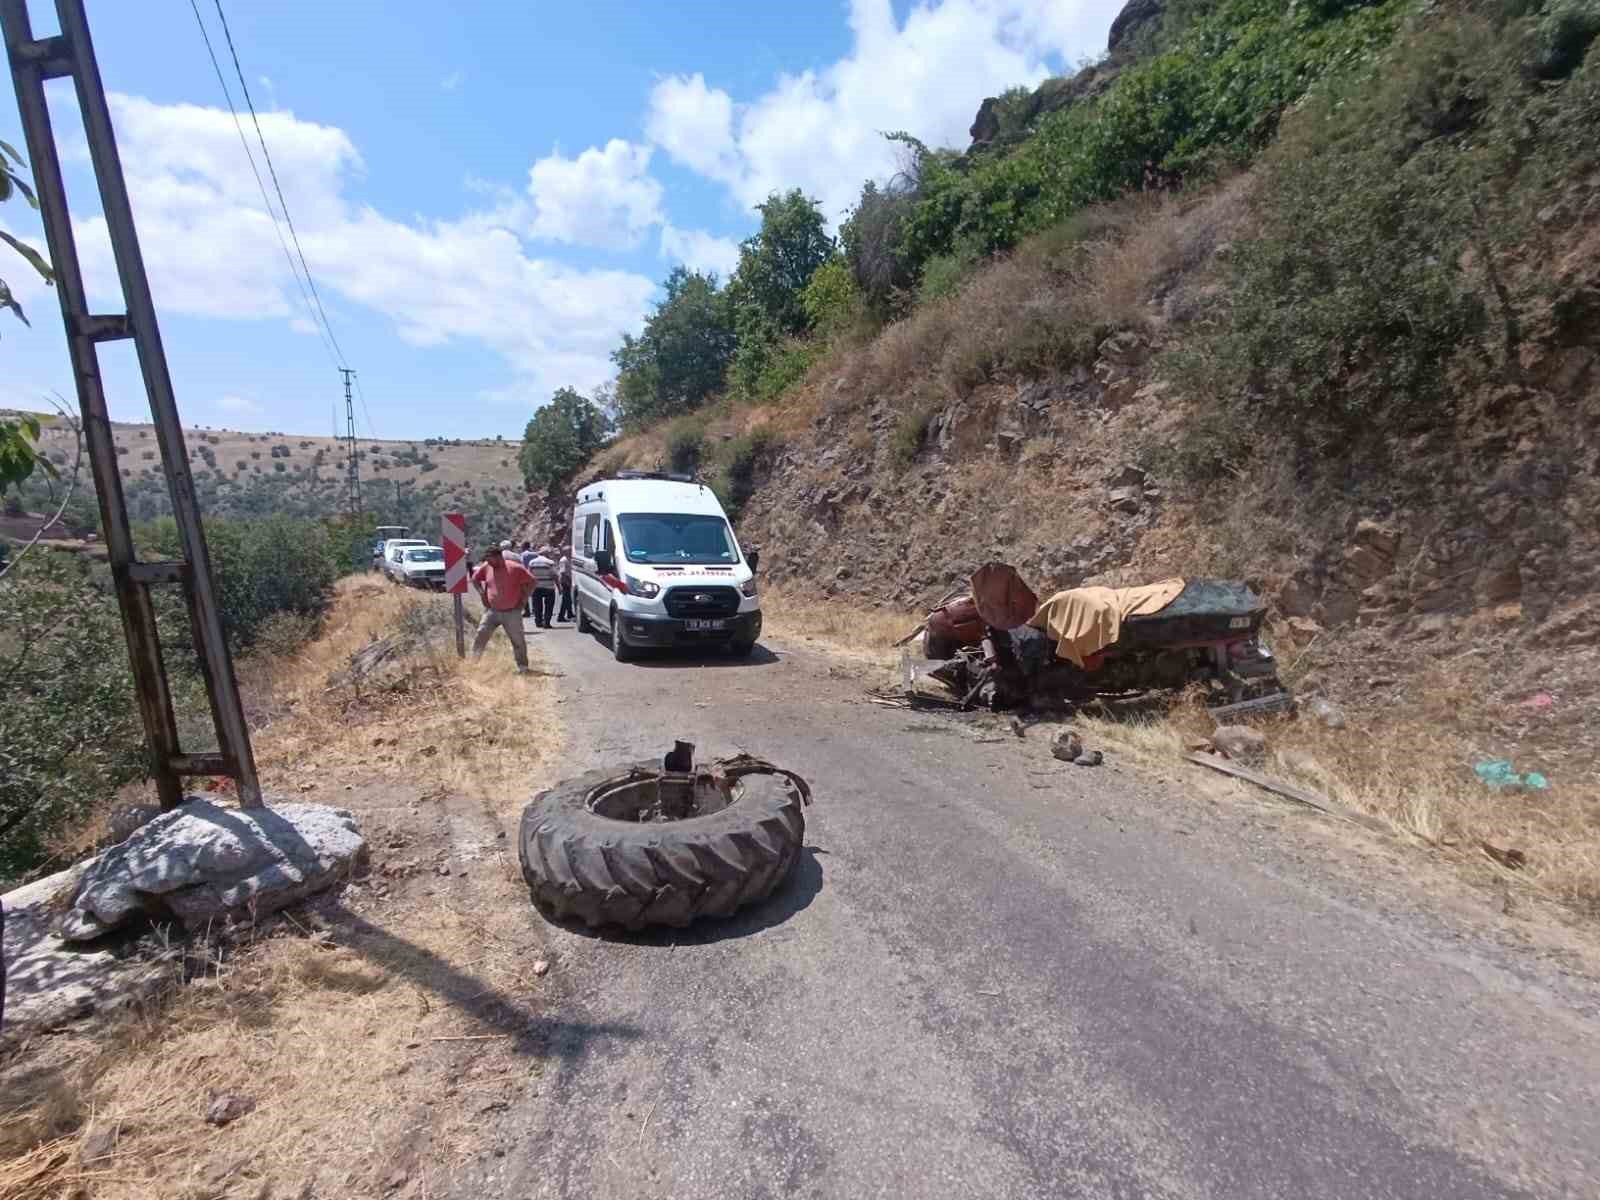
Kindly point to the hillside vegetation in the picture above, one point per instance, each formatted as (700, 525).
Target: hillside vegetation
(1303, 294)
(264, 474)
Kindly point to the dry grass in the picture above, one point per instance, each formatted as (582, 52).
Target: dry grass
(1410, 766)
(1040, 308)
(333, 1036)
(443, 721)
(1405, 759)
(840, 625)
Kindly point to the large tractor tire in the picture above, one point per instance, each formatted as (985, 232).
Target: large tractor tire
(581, 864)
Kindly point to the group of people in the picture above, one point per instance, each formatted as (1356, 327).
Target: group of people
(552, 575)
(514, 586)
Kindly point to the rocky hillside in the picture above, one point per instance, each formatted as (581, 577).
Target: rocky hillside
(1359, 371)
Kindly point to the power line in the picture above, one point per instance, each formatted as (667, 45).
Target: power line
(262, 186)
(367, 412)
(276, 186)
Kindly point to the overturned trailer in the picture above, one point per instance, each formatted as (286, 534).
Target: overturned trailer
(1002, 648)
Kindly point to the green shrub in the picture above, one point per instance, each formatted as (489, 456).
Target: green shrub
(1562, 37)
(70, 734)
(785, 365)
(685, 444)
(910, 433)
(741, 460)
(943, 274)
(1388, 213)
(832, 301)
(1216, 92)
(263, 565)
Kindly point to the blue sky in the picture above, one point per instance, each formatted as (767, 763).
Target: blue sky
(487, 201)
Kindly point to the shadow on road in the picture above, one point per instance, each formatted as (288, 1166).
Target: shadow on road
(710, 656)
(796, 894)
(531, 1033)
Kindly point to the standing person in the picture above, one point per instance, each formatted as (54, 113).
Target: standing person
(543, 571)
(525, 558)
(503, 584)
(564, 585)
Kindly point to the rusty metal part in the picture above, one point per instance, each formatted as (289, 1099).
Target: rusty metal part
(1002, 600)
(679, 790)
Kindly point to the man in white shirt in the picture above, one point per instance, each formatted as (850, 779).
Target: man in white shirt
(544, 580)
(564, 586)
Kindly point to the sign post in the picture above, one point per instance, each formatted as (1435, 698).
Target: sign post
(453, 537)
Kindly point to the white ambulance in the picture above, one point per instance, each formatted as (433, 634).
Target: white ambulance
(655, 563)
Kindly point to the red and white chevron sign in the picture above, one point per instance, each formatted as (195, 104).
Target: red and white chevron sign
(453, 537)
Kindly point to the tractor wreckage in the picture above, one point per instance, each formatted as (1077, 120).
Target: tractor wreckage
(995, 644)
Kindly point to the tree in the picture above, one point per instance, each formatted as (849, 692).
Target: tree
(560, 439)
(776, 263)
(19, 454)
(681, 358)
(10, 184)
(18, 457)
(871, 238)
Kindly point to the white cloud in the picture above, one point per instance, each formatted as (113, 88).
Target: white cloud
(694, 124)
(240, 405)
(699, 250)
(211, 249)
(822, 130)
(452, 81)
(604, 197)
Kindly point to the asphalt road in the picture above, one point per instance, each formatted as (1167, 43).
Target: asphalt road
(997, 975)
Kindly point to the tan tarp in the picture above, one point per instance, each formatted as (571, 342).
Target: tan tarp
(1084, 621)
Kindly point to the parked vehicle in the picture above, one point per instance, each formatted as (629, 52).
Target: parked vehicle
(422, 566)
(392, 550)
(655, 563)
(385, 532)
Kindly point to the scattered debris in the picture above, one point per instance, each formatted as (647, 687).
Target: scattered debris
(1499, 773)
(1018, 728)
(1288, 790)
(541, 967)
(99, 1143)
(1539, 700)
(227, 1107)
(1512, 860)
(1066, 745)
(1089, 758)
(1241, 742)
(1326, 711)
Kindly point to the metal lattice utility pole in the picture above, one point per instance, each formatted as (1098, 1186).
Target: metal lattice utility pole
(70, 55)
(354, 470)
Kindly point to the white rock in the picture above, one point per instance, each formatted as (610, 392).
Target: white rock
(203, 863)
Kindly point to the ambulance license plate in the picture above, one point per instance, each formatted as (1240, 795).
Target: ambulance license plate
(705, 626)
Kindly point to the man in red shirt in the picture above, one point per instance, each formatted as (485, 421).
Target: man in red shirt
(504, 586)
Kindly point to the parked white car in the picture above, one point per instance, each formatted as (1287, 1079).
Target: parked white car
(422, 566)
(392, 550)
